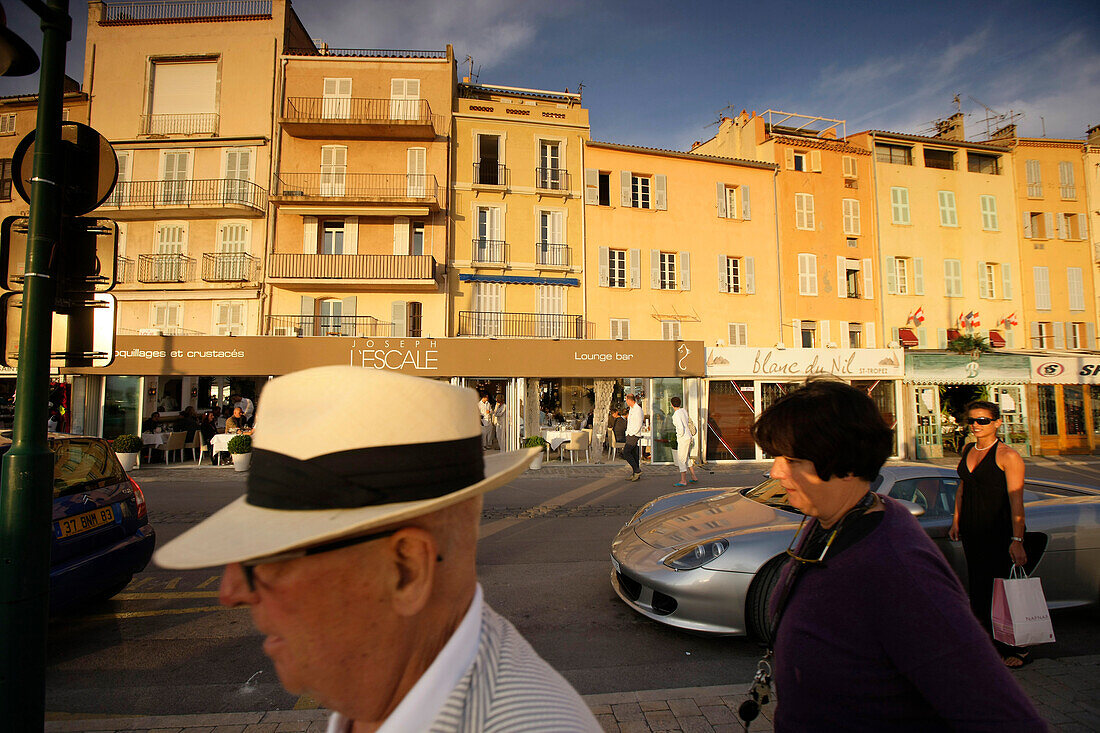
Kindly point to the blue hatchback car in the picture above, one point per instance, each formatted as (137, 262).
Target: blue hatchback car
(101, 533)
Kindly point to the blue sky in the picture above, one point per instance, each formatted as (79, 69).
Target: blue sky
(658, 73)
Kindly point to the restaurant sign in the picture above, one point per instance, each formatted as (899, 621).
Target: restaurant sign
(740, 361)
(427, 357)
(1065, 369)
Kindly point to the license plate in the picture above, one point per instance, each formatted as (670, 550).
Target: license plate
(615, 565)
(69, 526)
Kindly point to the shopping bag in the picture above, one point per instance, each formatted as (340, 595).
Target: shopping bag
(1020, 614)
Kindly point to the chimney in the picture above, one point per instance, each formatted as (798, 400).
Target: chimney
(1093, 135)
(1008, 131)
(951, 128)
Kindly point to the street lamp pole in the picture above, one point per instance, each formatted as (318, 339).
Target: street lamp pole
(26, 494)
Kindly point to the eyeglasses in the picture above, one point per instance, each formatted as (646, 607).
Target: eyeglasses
(249, 565)
(824, 550)
(979, 420)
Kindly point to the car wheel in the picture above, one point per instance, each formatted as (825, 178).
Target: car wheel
(760, 592)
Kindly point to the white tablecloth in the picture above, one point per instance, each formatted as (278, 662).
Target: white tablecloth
(154, 438)
(556, 437)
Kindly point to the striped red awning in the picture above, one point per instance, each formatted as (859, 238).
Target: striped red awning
(907, 337)
(996, 340)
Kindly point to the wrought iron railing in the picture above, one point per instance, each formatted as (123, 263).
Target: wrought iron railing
(160, 331)
(351, 267)
(552, 255)
(165, 268)
(124, 269)
(420, 187)
(153, 11)
(552, 179)
(229, 267)
(205, 123)
(379, 53)
(359, 326)
(1069, 192)
(488, 173)
(520, 325)
(488, 252)
(946, 164)
(201, 193)
(357, 109)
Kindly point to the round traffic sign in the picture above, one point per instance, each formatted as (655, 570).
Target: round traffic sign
(88, 170)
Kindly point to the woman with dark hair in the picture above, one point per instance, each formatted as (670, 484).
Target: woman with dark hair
(989, 515)
(872, 630)
(209, 428)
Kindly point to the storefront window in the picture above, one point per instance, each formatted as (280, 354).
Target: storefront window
(1048, 411)
(1075, 409)
(121, 406)
(1094, 394)
(882, 393)
(662, 433)
(729, 421)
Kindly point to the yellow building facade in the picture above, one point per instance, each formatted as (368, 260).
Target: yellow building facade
(679, 247)
(517, 213)
(360, 194)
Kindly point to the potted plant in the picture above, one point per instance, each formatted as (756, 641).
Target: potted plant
(535, 441)
(240, 447)
(128, 449)
(1017, 439)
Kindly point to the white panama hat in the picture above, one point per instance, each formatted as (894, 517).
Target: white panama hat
(341, 450)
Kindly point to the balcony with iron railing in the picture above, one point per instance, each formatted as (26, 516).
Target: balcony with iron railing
(160, 331)
(165, 268)
(409, 272)
(188, 199)
(552, 180)
(124, 269)
(230, 267)
(323, 49)
(488, 252)
(490, 174)
(552, 255)
(182, 11)
(310, 325)
(369, 188)
(356, 117)
(520, 325)
(181, 125)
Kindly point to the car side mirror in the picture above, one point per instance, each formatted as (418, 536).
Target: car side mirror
(915, 509)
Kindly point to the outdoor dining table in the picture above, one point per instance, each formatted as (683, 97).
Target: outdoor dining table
(556, 438)
(220, 444)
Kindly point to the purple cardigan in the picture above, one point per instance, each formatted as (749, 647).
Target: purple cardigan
(882, 638)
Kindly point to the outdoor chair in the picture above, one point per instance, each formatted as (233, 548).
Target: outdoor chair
(198, 447)
(580, 442)
(612, 445)
(176, 442)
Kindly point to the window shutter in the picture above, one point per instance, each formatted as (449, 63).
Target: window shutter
(922, 338)
(1076, 288)
(605, 259)
(815, 162)
(591, 186)
(941, 338)
(399, 310)
(685, 270)
(841, 276)
(1090, 335)
(1048, 225)
(796, 326)
(723, 278)
(869, 329)
(868, 280)
(720, 198)
(655, 269)
(918, 276)
(305, 318)
(849, 166)
(1062, 230)
(1059, 335)
(309, 235)
(1041, 277)
(624, 188)
(347, 316)
(1082, 227)
(825, 333)
(748, 277)
(635, 268)
(351, 235)
(660, 192)
(1036, 336)
(895, 336)
(948, 284)
(746, 205)
(1006, 281)
(1027, 225)
(983, 284)
(400, 235)
(790, 159)
(891, 277)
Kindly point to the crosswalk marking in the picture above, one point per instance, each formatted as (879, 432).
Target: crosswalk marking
(306, 702)
(208, 581)
(491, 528)
(149, 596)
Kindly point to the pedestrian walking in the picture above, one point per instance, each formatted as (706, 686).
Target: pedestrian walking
(634, 422)
(500, 422)
(872, 629)
(989, 516)
(684, 438)
(355, 552)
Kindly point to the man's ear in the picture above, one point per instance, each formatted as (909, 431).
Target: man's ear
(413, 552)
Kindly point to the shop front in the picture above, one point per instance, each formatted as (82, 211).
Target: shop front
(939, 386)
(1065, 393)
(573, 380)
(742, 382)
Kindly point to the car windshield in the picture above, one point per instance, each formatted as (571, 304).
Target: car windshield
(772, 493)
(81, 464)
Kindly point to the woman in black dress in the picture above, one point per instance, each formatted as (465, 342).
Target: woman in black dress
(989, 515)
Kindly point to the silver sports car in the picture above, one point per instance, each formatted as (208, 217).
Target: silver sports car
(706, 560)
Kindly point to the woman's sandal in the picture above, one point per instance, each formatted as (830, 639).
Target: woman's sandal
(1024, 659)
(679, 484)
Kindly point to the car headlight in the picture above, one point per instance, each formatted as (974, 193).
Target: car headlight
(696, 556)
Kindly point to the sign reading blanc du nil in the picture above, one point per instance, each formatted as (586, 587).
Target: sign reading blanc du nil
(741, 361)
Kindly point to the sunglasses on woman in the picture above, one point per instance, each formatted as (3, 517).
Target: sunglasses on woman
(979, 420)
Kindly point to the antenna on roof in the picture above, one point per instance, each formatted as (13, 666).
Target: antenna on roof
(580, 91)
(721, 116)
(996, 121)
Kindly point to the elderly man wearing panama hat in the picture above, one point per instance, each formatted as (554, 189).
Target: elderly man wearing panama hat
(355, 553)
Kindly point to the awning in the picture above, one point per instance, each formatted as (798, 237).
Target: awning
(996, 340)
(907, 337)
(952, 334)
(940, 368)
(519, 279)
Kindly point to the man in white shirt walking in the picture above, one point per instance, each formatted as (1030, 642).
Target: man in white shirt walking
(634, 422)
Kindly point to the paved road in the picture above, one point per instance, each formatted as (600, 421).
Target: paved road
(164, 646)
